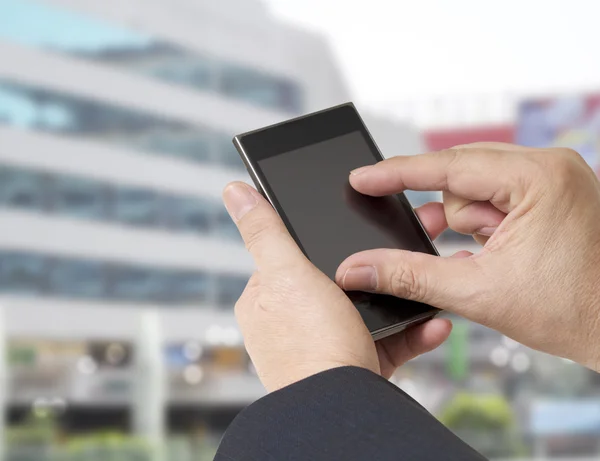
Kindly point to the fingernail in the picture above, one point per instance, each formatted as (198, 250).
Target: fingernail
(360, 278)
(239, 200)
(360, 170)
(486, 231)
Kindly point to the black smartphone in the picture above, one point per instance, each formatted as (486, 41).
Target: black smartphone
(302, 167)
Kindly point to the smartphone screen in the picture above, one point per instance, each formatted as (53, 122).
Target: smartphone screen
(332, 220)
(308, 183)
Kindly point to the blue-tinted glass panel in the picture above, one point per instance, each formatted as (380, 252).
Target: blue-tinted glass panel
(229, 289)
(40, 24)
(22, 273)
(80, 198)
(189, 287)
(258, 88)
(191, 214)
(174, 66)
(225, 227)
(72, 278)
(83, 198)
(31, 274)
(185, 143)
(39, 109)
(46, 110)
(137, 207)
(139, 284)
(21, 188)
(227, 154)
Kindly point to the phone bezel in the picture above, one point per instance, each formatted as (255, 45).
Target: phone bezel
(306, 130)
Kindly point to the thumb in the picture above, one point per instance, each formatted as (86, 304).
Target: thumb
(263, 231)
(453, 284)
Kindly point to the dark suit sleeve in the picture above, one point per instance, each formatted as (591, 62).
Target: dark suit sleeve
(342, 414)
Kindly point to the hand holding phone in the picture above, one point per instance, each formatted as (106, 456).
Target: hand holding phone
(302, 167)
(296, 322)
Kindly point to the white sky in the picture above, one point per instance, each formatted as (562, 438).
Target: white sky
(397, 50)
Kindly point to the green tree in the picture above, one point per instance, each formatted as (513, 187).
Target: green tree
(486, 422)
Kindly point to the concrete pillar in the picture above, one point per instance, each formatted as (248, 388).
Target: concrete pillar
(149, 400)
(539, 447)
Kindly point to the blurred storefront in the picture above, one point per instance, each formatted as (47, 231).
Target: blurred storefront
(567, 120)
(449, 137)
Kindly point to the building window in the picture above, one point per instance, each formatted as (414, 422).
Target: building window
(189, 287)
(139, 284)
(227, 154)
(191, 214)
(91, 38)
(32, 274)
(136, 207)
(80, 198)
(194, 145)
(176, 67)
(72, 278)
(21, 188)
(229, 289)
(258, 88)
(83, 198)
(46, 110)
(225, 228)
(22, 273)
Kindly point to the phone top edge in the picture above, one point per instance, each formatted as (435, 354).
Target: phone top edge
(295, 119)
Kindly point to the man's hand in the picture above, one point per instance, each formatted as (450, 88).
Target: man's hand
(296, 322)
(537, 213)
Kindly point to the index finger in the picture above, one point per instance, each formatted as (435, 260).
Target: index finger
(261, 228)
(474, 173)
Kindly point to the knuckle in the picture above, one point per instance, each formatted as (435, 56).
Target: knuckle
(453, 155)
(569, 153)
(254, 232)
(452, 158)
(563, 160)
(405, 283)
(565, 167)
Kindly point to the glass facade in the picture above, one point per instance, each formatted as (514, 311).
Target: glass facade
(194, 215)
(40, 109)
(229, 289)
(137, 207)
(22, 274)
(84, 279)
(55, 29)
(76, 197)
(21, 189)
(82, 198)
(32, 274)
(43, 25)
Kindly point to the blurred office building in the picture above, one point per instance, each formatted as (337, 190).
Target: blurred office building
(119, 266)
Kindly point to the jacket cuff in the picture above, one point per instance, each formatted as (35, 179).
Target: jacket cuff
(345, 413)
